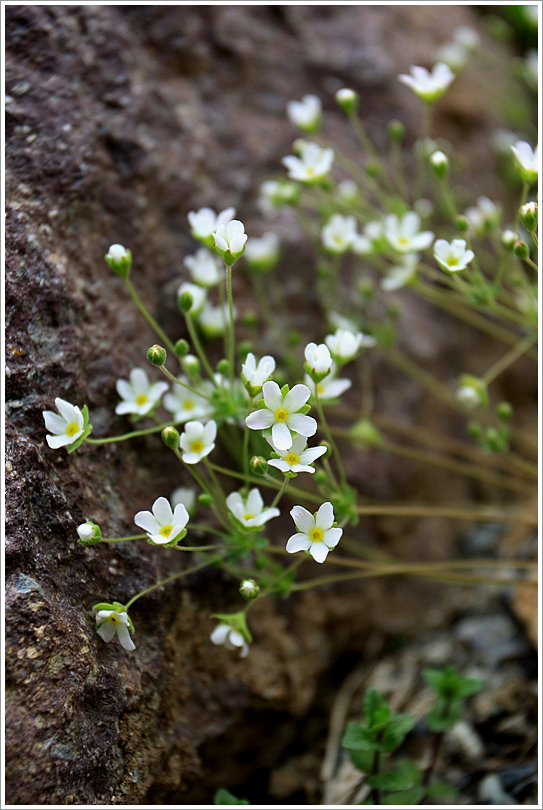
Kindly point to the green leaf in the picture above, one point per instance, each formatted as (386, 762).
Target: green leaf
(440, 790)
(396, 730)
(405, 776)
(411, 796)
(444, 715)
(359, 738)
(376, 709)
(450, 685)
(223, 796)
(363, 760)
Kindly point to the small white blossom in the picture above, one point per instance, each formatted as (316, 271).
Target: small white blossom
(345, 345)
(110, 623)
(483, 217)
(281, 414)
(453, 54)
(254, 376)
(162, 524)
(262, 253)
(214, 320)
(347, 99)
(198, 294)
(197, 441)
(139, 395)
(348, 190)
(468, 396)
(440, 162)
(509, 238)
(527, 160)
(117, 254)
(231, 638)
(313, 164)
(371, 240)
(250, 511)
(185, 404)
(185, 496)
(404, 235)
(230, 238)
(274, 195)
(318, 359)
(339, 233)
(401, 275)
(467, 37)
(341, 322)
(452, 256)
(305, 114)
(66, 426)
(428, 85)
(316, 533)
(204, 267)
(298, 458)
(89, 533)
(330, 387)
(205, 221)
(424, 207)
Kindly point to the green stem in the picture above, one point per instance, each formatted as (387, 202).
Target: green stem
(149, 318)
(121, 539)
(509, 358)
(274, 582)
(205, 487)
(184, 385)
(523, 195)
(199, 350)
(231, 339)
(133, 434)
(280, 493)
(330, 438)
(174, 576)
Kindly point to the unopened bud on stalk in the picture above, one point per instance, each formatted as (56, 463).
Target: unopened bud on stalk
(475, 430)
(89, 533)
(170, 437)
(396, 130)
(156, 355)
(191, 364)
(249, 318)
(509, 239)
(440, 164)
(223, 366)
(462, 223)
(326, 444)
(521, 250)
(259, 465)
(185, 301)
(320, 478)
(347, 99)
(372, 169)
(504, 411)
(119, 259)
(249, 589)
(181, 347)
(204, 499)
(244, 348)
(528, 216)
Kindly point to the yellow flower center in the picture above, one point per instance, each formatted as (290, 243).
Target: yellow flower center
(113, 619)
(309, 171)
(166, 531)
(141, 399)
(292, 458)
(189, 404)
(316, 535)
(403, 240)
(320, 388)
(72, 429)
(281, 415)
(453, 262)
(197, 446)
(248, 516)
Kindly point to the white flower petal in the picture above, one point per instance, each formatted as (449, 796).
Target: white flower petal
(325, 516)
(281, 436)
(319, 552)
(303, 519)
(298, 542)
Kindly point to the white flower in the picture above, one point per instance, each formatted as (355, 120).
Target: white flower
(185, 496)
(274, 195)
(440, 163)
(297, 458)
(66, 427)
(347, 190)
(230, 238)
(428, 85)
(263, 253)
(110, 623)
(232, 639)
(313, 164)
(452, 256)
(347, 99)
(197, 441)
(319, 360)
(315, 532)
(254, 376)
(117, 254)
(305, 114)
(453, 54)
(344, 345)
(370, 240)
(401, 275)
(281, 414)
(467, 37)
(527, 160)
(468, 396)
(89, 533)
(250, 511)
(185, 404)
(139, 395)
(341, 322)
(339, 233)
(484, 216)
(205, 221)
(162, 524)
(403, 233)
(214, 320)
(198, 295)
(330, 387)
(204, 267)
(509, 238)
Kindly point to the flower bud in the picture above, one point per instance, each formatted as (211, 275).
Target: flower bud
(223, 366)
(259, 465)
(495, 440)
(472, 392)
(347, 99)
(204, 499)
(528, 216)
(89, 533)
(504, 411)
(185, 301)
(396, 130)
(521, 250)
(320, 478)
(475, 430)
(170, 437)
(181, 348)
(365, 431)
(462, 223)
(326, 444)
(372, 169)
(249, 589)
(440, 164)
(244, 347)
(191, 364)
(156, 355)
(509, 238)
(249, 318)
(119, 259)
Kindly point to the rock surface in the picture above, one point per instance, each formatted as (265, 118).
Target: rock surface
(121, 119)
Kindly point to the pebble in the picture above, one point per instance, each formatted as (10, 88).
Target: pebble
(491, 791)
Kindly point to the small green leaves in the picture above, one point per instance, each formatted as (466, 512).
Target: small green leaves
(376, 710)
(451, 689)
(223, 796)
(382, 730)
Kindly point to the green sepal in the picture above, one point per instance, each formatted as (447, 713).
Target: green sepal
(176, 540)
(304, 409)
(261, 405)
(236, 621)
(316, 376)
(103, 606)
(284, 390)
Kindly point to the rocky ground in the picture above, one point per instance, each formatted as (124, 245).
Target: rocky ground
(119, 120)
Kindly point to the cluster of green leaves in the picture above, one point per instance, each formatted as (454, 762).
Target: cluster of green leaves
(223, 796)
(369, 742)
